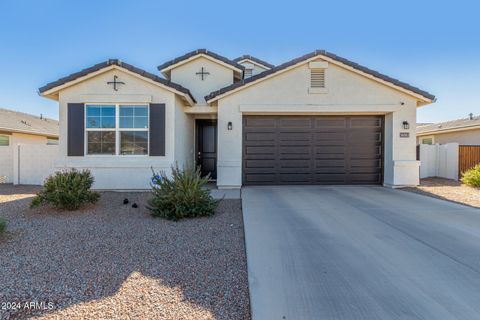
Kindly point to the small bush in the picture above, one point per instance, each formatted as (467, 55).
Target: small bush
(471, 177)
(3, 225)
(67, 190)
(181, 196)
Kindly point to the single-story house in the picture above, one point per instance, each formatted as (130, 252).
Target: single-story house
(317, 119)
(21, 128)
(462, 131)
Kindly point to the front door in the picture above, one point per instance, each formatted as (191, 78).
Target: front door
(207, 147)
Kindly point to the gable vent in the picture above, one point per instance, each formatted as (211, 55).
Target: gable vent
(317, 78)
(247, 73)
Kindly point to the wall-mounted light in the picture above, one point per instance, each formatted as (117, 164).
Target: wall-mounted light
(229, 125)
(406, 125)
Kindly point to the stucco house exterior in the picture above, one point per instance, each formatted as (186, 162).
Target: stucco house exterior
(317, 119)
(22, 128)
(462, 131)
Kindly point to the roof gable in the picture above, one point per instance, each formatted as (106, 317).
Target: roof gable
(84, 74)
(167, 66)
(402, 86)
(259, 62)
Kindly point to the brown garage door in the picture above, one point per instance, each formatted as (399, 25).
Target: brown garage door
(312, 150)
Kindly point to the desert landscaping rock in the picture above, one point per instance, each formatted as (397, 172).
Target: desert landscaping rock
(449, 190)
(110, 260)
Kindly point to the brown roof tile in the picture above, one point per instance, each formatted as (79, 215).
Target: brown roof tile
(311, 55)
(449, 125)
(26, 123)
(119, 63)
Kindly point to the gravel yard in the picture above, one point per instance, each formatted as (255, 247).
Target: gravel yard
(111, 260)
(449, 190)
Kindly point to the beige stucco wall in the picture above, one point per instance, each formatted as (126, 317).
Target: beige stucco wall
(466, 137)
(347, 93)
(185, 75)
(7, 152)
(119, 172)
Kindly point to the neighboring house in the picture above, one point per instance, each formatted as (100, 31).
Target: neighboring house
(462, 131)
(21, 128)
(317, 119)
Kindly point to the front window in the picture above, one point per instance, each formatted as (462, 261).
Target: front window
(117, 129)
(427, 141)
(4, 140)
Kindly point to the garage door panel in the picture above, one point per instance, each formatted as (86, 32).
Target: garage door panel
(299, 136)
(329, 136)
(293, 156)
(365, 137)
(313, 149)
(259, 150)
(329, 163)
(294, 149)
(365, 122)
(365, 178)
(335, 156)
(330, 149)
(330, 178)
(295, 122)
(330, 122)
(260, 136)
(270, 163)
(295, 163)
(332, 170)
(295, 177)
(260, 122)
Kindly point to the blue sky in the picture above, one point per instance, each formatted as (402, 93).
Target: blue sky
(434, 45)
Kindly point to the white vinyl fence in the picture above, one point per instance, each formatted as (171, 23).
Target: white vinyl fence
(6, 164)
(439, 160)
(32, 163)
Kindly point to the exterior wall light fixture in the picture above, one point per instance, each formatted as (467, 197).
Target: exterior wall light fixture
(406, 125)
(229, 125)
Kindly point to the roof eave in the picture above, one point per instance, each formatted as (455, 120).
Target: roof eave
(216, 95)
(464, 128)
(51, 90)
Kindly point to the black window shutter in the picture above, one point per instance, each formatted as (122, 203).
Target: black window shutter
(76, 129)
(157, 129)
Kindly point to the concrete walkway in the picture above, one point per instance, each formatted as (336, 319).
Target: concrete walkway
(360, 253)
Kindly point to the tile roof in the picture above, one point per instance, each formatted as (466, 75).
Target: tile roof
(326, 54)
(252, 58)
(197, 52)
(465, 123)
(121, 64)
(26, 123)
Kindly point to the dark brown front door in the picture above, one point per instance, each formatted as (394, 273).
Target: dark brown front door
(207, 147)
(312, 150)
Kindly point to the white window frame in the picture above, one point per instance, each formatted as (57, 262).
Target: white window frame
(9, 140)
(427, 137)
(117, 129)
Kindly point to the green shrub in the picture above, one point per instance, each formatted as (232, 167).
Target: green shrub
(182, 196)
(3, 225)
(471, 177)
(67, 190)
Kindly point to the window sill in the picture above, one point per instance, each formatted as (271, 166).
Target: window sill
(317, 90)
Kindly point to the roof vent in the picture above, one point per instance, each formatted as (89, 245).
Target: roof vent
(317, 78)
(471, 116)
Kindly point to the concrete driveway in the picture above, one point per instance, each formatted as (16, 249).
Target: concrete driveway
(360, 253)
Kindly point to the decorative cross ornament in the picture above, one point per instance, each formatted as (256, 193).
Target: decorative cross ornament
(115, 82)
(203, 73)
